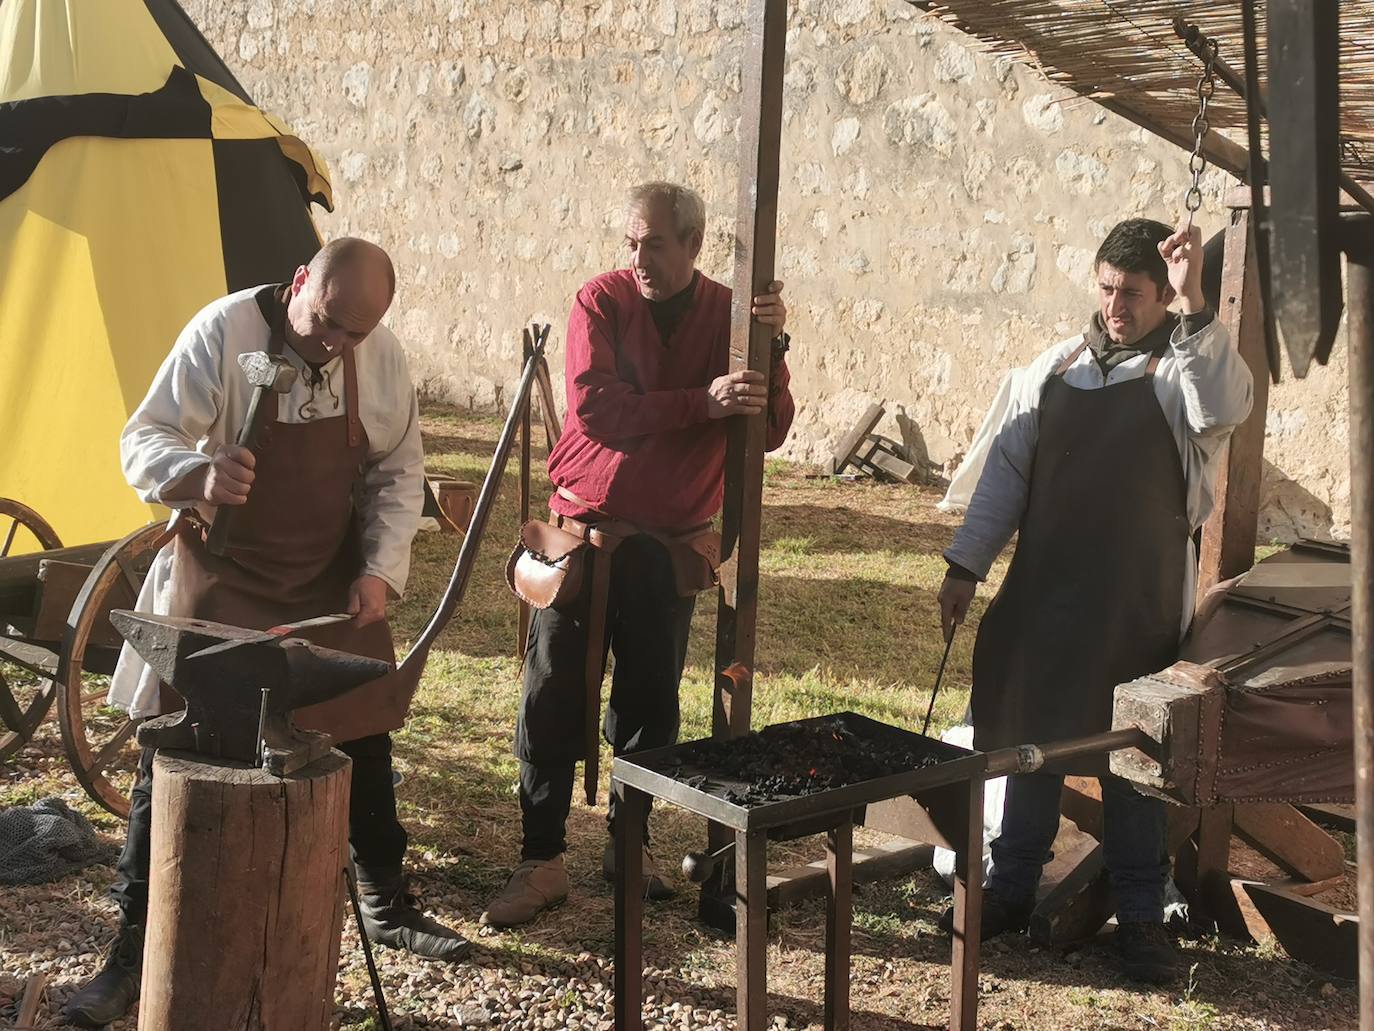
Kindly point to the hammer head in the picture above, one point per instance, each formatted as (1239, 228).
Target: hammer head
(270, 371)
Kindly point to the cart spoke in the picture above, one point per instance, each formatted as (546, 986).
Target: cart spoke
(9, 537)
(112, 748)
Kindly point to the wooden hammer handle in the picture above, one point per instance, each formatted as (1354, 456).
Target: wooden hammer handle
(217, 540)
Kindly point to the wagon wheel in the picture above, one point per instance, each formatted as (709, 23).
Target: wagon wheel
(26, 700)
(99, 739)
(16, 516)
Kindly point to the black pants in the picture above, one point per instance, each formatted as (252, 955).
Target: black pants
(647, 625)
(376, 838)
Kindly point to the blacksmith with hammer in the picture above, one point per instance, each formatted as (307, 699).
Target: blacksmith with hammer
(1104, 464)
(323, 508)
(639, 474)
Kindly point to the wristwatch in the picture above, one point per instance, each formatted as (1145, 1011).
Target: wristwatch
(781, 344)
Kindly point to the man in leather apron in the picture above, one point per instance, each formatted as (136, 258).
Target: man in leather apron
(642, 455)
(1104, 466)
(322, 523)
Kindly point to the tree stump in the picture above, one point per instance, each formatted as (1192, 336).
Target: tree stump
(245, 907)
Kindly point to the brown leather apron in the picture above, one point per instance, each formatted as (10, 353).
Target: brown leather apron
(295, 548)
(1094, 595)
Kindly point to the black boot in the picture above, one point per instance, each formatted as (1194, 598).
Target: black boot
(108, 995)
(1146, 952)
(391, 916)
(999, 916)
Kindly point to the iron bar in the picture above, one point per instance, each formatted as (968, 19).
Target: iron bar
(1360, 277)
(383, 1017)
(939, 675)
(472, 540)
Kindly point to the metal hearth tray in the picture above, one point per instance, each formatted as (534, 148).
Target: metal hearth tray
(791, 771)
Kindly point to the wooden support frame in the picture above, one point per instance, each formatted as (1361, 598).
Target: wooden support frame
(522, 630)
(1230, 533)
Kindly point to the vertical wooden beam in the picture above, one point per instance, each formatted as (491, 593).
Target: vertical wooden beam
(629, 907)
(1360, 271)
(756, 226)
(968, 913)
(1229, 535)
(522, 632)
(1304, 174)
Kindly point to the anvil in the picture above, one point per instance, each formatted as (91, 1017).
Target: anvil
(234, 679)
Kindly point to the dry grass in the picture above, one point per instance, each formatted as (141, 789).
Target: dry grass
(846, 622)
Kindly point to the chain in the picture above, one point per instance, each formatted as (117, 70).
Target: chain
(1197, 161)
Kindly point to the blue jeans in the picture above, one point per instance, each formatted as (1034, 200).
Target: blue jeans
(1133, 844)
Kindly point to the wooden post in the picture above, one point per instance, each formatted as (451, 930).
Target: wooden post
(245, 906)
(756, 226)
(522, 631)
(1229, 535)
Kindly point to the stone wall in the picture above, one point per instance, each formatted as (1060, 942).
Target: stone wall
(940, 208)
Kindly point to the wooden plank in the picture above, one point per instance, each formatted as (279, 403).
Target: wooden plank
(885, 862)
(854, 439)
(19, 575)
(1081, 802)
(756, 226)
(1230, 533)
(31, 1001)
(1079, 903)
(1304, 173)
(1284, 836)
(897, 468)
(1335, 816)
(1309, 931)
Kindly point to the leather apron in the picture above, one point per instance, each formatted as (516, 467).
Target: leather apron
(295, 547)
(1094, 595)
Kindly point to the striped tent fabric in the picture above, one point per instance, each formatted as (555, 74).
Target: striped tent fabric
(138, 182)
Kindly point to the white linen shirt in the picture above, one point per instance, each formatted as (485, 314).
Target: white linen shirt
(1203, 387)
(198, 401)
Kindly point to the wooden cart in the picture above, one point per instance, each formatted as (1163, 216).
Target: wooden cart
(56, 643)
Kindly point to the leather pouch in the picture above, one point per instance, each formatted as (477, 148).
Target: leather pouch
(696, 562)
(546, 568)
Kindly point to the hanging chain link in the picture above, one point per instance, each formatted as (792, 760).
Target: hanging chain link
(1197, 161)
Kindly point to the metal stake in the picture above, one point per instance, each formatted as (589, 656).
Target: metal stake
(377, 993)
(940, 675)
(262, 726)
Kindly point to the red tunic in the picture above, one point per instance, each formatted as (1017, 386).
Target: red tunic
(637, 443)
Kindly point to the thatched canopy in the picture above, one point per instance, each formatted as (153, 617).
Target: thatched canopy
(1125, 55)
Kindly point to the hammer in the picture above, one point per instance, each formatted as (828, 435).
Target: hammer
(266, 374)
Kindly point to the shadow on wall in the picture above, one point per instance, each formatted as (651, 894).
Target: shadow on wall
(1289, 511)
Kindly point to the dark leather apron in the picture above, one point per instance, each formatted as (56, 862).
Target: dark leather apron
(295, 548)
(1094, 594)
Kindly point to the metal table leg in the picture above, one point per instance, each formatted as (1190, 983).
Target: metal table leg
(839, 859)
(629, 907)
(968, 915)
(751, 930)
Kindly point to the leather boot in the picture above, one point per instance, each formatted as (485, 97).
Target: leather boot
(391, 916)
(999, 916)
(107, 996)
(652, 886)
(534, 886)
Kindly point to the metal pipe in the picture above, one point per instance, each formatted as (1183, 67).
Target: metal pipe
(472, 540)
(1196, 41)
(1360, 336)
(1029, 758)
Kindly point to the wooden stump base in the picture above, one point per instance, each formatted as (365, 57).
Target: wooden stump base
(245, 906)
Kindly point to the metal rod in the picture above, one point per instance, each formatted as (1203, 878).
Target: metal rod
(377, 993)
(1360, 278)
(1029, 758)
(486, 499)
(262, 726)
(1196, 41)
(939, 675)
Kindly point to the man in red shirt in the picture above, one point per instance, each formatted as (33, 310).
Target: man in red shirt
(649, 389)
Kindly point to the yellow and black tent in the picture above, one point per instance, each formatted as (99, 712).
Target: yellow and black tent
(138, 182)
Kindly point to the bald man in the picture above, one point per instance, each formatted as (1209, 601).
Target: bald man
(324, 511)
